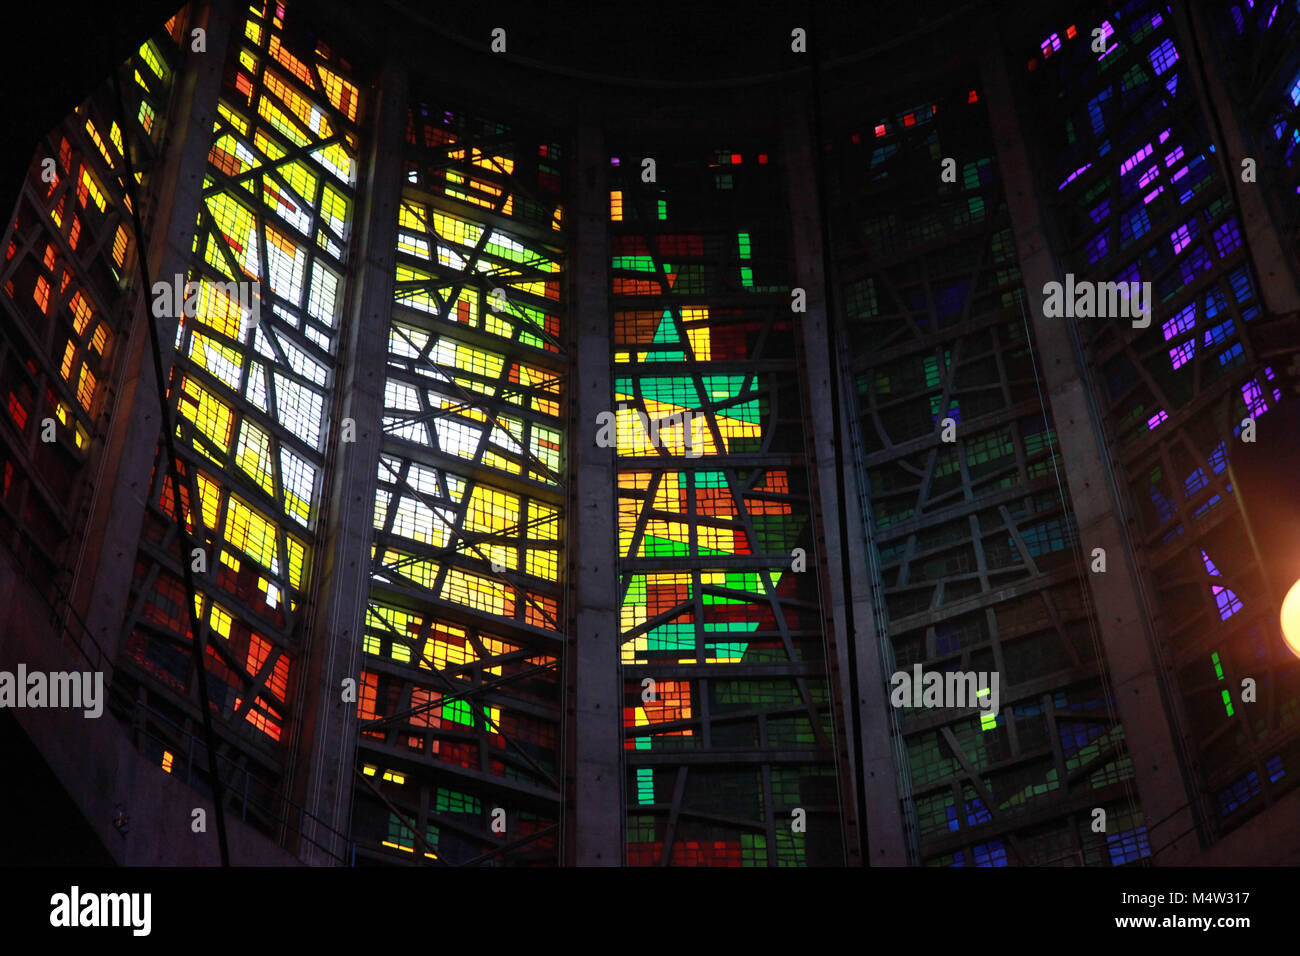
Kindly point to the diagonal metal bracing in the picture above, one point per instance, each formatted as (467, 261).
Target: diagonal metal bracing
(394, 421)
(481, 402)
(478, 250)
(469, 693)
(496, 537)
(448, 683)
(406, 821)
(457, 532)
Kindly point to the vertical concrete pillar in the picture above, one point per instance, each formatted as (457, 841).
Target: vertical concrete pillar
(102, 582)
(327, 737)
(1137, 676)
(593, 726)
(864, 751)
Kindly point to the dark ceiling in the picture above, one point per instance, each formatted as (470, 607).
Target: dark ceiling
(56, 53)
(674, 40)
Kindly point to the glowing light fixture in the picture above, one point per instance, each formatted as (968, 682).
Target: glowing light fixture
(1291, 619)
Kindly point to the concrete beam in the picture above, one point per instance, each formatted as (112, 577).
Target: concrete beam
(322, 778)
(864, 749)
(593, 725)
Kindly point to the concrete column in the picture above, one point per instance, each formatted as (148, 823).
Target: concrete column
(101, 586)
(593, 725)
(866, 762)
(1274, 264)
(1141, 692)
(327, 738)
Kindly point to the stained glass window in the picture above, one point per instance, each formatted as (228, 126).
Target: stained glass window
(1161, 211)
(251, 381)
(973, 540)
(713, 506)
(68, 252)
(466, 602)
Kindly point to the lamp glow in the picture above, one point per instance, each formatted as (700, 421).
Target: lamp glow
(1291, 618)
